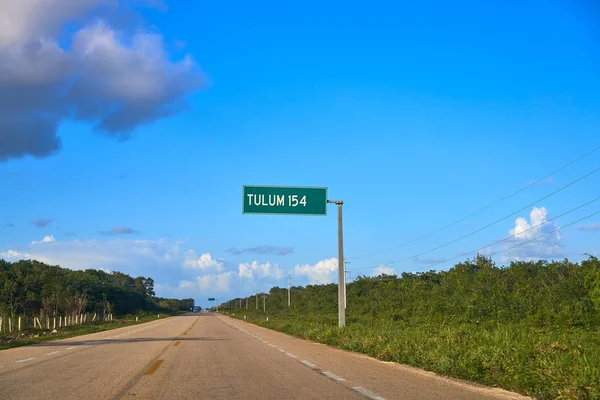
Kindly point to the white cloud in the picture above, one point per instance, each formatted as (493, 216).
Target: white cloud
(108, 271)
(187, 284)
(46, 239)
(163, 260)
(383, 270)
(244, 271)
(114, 80)
(321, 273)
(82, 254)
(216, 282)
(265, 270)
(205, 261)
(12, 255)
(549, 246)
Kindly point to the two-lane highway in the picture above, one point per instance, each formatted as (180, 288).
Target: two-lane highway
(206, 356)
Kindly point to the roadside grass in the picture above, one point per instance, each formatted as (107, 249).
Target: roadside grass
(34, 336)
(545, 363)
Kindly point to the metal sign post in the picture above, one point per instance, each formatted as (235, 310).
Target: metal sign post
(341, 273)
(298, 200)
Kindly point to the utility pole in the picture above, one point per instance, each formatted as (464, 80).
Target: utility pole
(257, 299)
(217, 303)
(289, 296)
(246, 303)
(346, 282)
(264, 302)
(341, 274)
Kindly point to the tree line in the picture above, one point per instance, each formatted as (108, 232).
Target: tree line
(477, 290)
(32, 288)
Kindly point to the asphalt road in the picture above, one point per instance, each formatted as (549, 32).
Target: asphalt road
(208, 356)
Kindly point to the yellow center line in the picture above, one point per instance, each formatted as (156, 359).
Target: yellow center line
(153, 367)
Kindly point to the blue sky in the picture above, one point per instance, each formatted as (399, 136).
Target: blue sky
(414, 114)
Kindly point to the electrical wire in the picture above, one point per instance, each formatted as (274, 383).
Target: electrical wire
(482, 209)
(523, 243)
(515, 235)
(495, 222)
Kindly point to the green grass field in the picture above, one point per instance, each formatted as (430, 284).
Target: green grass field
(561, 363)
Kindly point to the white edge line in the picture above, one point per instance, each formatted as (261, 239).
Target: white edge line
(291, 355)
(25, 359)
(71, 348)
(54, 352)
(272, 345)
(281, 350)
(367, 393)
(308, 364)
(333, 376)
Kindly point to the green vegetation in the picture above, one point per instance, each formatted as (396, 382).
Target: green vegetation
(531, 327)
(31, 289)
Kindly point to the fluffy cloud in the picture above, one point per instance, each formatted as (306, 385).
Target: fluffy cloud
(12, 255)
(264, 249)
(187, 284)
(545, 247)
(126, 255)
(119, 230)
(110, 79)
(321, 273)
(40, 222)
(205, 261)
(46, 239)
(216, 282)
(265, 270)
(383, 270)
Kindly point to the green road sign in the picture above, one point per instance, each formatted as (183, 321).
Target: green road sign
(211, 299)
(284, 200)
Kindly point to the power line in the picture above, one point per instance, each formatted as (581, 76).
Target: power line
(545, 234)
(501, 240)
(528, 241)
(482, 209)
(515, 235)
(493, 223)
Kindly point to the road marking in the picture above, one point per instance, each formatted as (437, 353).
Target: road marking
(272, 345)
(153, 367)
(291, 355)
(177, 343)
(25, 360)
(367, 393)
(54, 352)
(71, 348)
(308, 364)
(333, 376)
(281, 350)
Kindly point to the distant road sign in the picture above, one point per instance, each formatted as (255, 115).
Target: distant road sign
(296, 200)
(211, 299)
